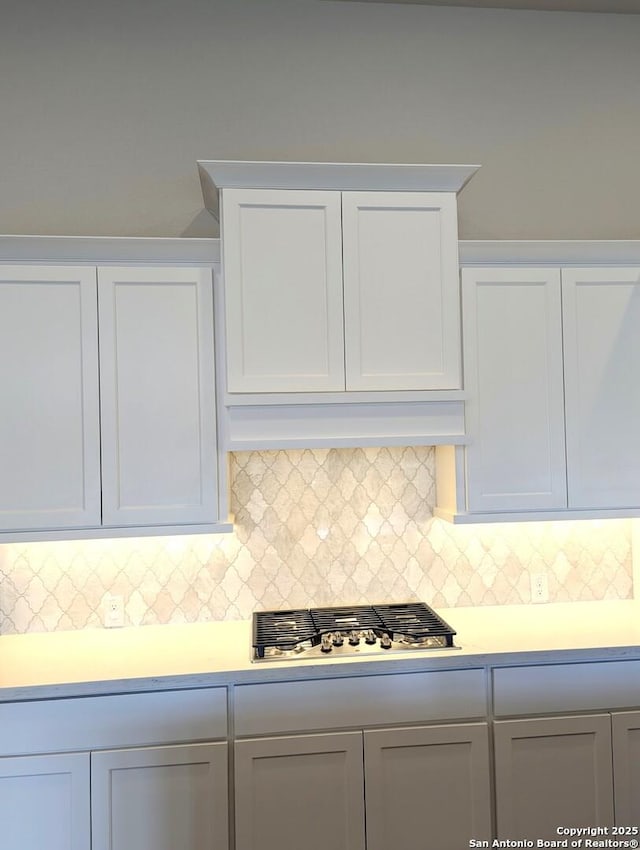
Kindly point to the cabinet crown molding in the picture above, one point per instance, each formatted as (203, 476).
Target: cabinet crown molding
(339, 176)
(105, 250)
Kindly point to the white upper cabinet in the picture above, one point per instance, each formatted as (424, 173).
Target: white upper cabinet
(339, 277)
(552, 376)
(401, 303)
(157, 387)
(283, 265)
(601, 311)
(513, 375)
(49, 428)
(107, 376)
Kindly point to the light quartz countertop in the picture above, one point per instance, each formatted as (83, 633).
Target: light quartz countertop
(146, 658)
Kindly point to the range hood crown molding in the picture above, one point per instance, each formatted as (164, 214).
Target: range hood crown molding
(339, 176)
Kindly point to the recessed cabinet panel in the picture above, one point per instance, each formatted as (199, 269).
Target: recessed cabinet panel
(601, 311)
(158, 404)
(402, 315)
(305, 791)
(626, 766)
(283, 290)
(552, 772)
(513, 376)
(427, 786)
(162, 798)
(44, 802)
(49, 428)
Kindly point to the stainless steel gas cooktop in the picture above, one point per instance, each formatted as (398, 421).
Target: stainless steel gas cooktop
(348, 631)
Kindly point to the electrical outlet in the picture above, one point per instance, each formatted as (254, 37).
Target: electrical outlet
(113, 612)
(539, 587)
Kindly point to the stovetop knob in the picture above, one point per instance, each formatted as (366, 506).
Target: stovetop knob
(354, 638)
(370, 637)
(385, 641)
(338, 640)
(325, 643)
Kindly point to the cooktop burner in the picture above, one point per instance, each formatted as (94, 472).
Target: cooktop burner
(345, 631)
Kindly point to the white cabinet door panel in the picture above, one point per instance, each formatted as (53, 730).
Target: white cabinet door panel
(601, 309)
(44, 802)
(157, 383)
(552, 772)
(514, 379)
(402, 305)
(303, 791)
(49, 428)
(161, 798)
(283, 290)
(427, 786)
(626, 767)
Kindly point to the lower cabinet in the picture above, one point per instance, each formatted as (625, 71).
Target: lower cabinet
(552, 772)
(153, 798)
(626, 766)
(160, 798)
(303, 785)
(427, 787)
(45, 802)
(414, 785)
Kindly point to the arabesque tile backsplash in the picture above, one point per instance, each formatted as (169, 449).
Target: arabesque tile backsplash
(314, 527)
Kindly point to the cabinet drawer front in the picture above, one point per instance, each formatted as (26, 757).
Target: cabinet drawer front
(90, 723)
(566, 687)
(364, 701)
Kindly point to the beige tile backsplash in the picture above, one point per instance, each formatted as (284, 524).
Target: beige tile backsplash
(314, 527)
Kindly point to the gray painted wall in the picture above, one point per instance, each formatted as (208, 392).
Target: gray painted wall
(105, 107)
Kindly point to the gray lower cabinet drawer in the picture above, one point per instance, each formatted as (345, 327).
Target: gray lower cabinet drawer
(554, 688)
(359, 701)
(90, 723)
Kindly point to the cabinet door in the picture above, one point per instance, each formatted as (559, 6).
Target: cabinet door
(44, 802)
(401, 290)
(49, 428)
(305, 791)
(601, 311)
(157, 383)
(427, 787)
(162, 798)
(283, 290)
(626, 767)
(552, 772)
(512, 331)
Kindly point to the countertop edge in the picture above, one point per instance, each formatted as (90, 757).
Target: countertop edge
(276, 672)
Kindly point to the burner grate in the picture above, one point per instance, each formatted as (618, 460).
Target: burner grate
(345, 619)
(414, 619)
(281, 629)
